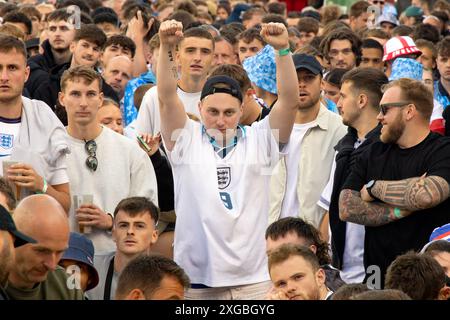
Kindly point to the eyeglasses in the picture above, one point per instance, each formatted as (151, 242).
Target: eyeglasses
(385, 107)
(91, 148)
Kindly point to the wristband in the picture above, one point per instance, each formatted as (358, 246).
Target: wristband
(397, 213)
(284, 52)
(44, 188)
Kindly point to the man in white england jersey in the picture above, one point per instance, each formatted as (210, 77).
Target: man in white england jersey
(222, 172)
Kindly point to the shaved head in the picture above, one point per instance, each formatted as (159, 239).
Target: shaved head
(44, 219)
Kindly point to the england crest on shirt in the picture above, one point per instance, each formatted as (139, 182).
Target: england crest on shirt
(223, 177)
(6, 140)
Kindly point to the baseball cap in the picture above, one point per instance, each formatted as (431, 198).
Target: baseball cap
(81, 249)
(413, 11)
(7, 224)
(441, 233)
(211, 87)
(308, 62)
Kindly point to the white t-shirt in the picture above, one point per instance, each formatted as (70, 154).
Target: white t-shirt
(9, 131)
(290, 207)
(124, 170)
(149, 120)
(222, 205)
(353, 261)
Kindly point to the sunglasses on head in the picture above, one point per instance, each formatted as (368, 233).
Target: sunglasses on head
(91, 148)
(386, 106)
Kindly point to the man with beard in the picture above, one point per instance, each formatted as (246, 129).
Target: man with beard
(358, 105)
(10, 238)
(309, 153)
(296, 275)
(399, 187)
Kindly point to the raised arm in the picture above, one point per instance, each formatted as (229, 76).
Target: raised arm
(173, 115)
(283, 112)
(412, 194)
(354, 209)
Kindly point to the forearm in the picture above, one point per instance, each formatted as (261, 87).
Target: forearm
(139, 61)
(62, 194)
(287, 83)
(353, 209)
(168, 73)
(412, 194)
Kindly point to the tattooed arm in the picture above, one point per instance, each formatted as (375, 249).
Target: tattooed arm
(412, 194)
(354, 209)
(172, 112)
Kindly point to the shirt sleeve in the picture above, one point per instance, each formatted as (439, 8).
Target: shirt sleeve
(358, 174)
(325, 197)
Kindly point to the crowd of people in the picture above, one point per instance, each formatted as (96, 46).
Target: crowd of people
(225, 150)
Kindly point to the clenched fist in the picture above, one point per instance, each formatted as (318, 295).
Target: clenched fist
(276, 35)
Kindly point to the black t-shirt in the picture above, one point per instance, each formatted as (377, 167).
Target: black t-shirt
(388, 162)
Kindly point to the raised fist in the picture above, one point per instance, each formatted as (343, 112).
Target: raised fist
(276, 35)
(170, 32)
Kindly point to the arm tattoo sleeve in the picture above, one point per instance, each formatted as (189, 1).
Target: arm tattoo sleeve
(414, 193)
(353, 209)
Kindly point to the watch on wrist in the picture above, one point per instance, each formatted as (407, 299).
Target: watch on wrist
(369, 187)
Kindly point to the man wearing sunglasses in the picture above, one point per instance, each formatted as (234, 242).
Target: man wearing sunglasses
(103, 164)
(399, 187)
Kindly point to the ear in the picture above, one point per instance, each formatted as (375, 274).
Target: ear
(313, 248)
(72, 46)
(135, 294)
(200, 107)
(320, 277)
(61, 98)
(362, 100)
(411, 113)
(27, 73)
(444, 293)
(101, 97)
(155, 236)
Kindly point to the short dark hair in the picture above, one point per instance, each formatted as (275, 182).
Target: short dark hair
(251, 34)
(91, 33)
(386, 294)
(443, 47)
(401, 31)
(308, 24)
(376, 33)
(248, 14)
(358, 8)
(437, 246)
(348, 290)
(372, 44)
(334, 77)
(427, 32)
(182, 16)
(285, 251)
(7, 191)
(103, 10)
(342, 34)
(276, 7)
(123, 41)
(418, 275)
(59, 15)
(198, 32)
(235, 72)
(9, 43)
(369, 81)
(30, 11)
(271, 17)
(19, 17)
(146, 273)
(136, 205)
(106, 17)
(88, 75)
(187, 6)
(80, 3)
(302, 229)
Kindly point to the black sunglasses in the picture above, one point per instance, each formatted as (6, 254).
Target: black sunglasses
(91, 148)
(386, 106)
